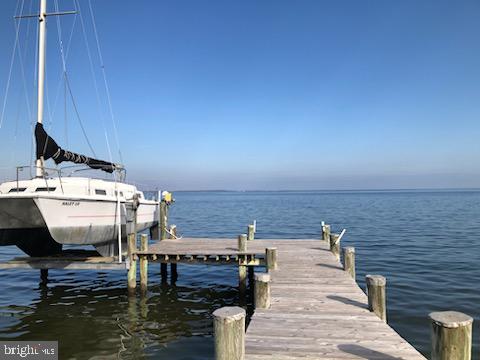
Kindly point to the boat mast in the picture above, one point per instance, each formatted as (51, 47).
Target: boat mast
(42, 18)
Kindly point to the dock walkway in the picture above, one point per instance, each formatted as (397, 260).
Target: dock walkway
(318, 312)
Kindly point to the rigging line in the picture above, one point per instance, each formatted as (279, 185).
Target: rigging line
(61, 78)
(92, 71)
(17, 118)
(24, 81)
(12, 60)
(78, 115)
(105, 81)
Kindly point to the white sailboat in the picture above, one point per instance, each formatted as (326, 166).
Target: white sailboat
(41, 214)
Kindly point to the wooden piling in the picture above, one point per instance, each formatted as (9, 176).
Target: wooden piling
(172, 232)
(229, 333)
(251, 276)
(242, 243)
(349, 260)
(43, 276)
(271, 258)
(163, 221)
(164, 271)
(326, 232)
(451, 335)
(242, 280)
(262, 291)
(173, 273)
(132, 270)
(376, 295)
(143, 264)
(251, 232)
(335, 245)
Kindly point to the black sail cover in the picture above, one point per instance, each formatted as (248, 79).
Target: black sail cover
(48, 148)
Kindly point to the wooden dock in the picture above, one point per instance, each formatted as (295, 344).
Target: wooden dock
(317, 311)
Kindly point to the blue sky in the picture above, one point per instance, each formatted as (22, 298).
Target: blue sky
(265, 94)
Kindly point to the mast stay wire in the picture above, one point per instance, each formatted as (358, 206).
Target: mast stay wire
(107, 89)
(67, 83)
(12, 59)
(67, 51)
(94, 78)
(25, 90)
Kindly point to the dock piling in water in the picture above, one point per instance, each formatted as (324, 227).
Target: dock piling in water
(132, 270)
(229, 333)
(163, 221)
(376, 295)
(164, 272)
(451, 335)
(349, 260)
(262, 291)
(43, 276)
(143, 264)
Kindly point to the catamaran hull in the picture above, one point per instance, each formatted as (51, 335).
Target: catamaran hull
(41, 225)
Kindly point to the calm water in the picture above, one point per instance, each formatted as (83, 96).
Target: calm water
(425, 242)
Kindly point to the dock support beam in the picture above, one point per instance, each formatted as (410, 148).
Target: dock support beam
(335, 245)
(271, 258)
(376, 295)
(229, 333)
(251, 232)
(132, 270)
(143, 264)
(349, 260)
(451, 335)
(262, 291)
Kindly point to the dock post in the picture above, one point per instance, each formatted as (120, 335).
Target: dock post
(173, 273)
(164, 271)
(251, 276)
(376, 295)
(242, 243)
(172, 232)
(143, 264)
(229, 333)
(242, 280)
(132, 270)
(43, 276)
(335, 245)
(451, 335)
(349, 260)
(262, 291)
(326, 232)
(251, 232)
(163, 221)
(271, 258)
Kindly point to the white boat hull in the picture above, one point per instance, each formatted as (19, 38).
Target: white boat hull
(40, 223)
